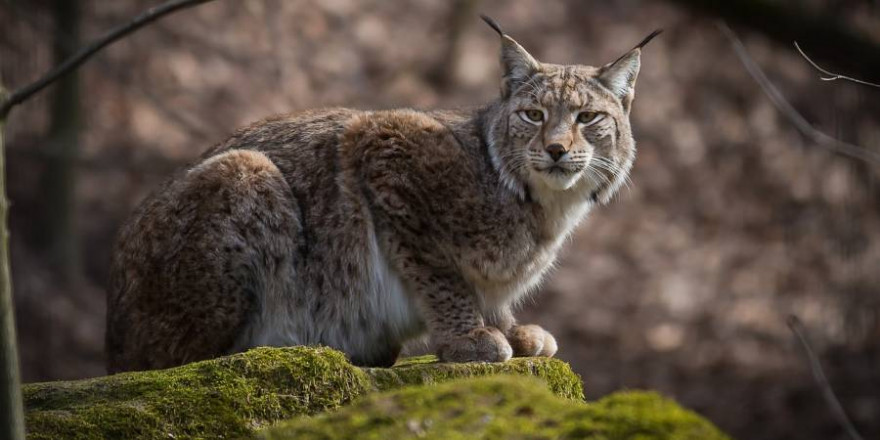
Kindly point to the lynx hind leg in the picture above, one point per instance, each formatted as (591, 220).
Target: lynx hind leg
(199, 262)
(531, 340)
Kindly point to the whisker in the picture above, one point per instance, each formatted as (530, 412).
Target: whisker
(616, 170)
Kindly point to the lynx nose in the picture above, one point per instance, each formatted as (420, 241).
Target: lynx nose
(556, 151)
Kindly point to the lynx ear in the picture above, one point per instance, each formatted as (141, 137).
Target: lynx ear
(518, 65)
(620, 76)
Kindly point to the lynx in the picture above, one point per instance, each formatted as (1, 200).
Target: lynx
(360, 230)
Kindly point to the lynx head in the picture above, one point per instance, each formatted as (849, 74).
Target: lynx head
(563, 128)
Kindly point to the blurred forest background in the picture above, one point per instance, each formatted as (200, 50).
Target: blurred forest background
(682, 285)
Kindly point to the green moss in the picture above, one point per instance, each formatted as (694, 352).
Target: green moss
(234, 396)
(226, 397)
(426, 370)
(501, 407)
(231, 396)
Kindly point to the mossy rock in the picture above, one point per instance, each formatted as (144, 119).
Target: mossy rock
(231, 397)
(426, 370)
(501, 407)
(220, 398)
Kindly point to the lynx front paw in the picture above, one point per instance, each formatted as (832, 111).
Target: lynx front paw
(483, 344)
(531, 340)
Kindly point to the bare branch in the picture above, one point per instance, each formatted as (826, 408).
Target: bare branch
(150, 15)
(798, 329)
(831, 75)
(836, 43)
(787, 110)
(193, 127)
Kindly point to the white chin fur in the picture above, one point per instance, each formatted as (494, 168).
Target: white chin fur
(558, 181)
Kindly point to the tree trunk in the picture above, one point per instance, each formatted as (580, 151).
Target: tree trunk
(58, 236)
(11, 413)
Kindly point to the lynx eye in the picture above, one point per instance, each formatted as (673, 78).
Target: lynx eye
(532, 116)
(589, 118)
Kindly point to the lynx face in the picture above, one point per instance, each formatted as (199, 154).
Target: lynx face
(563, 126)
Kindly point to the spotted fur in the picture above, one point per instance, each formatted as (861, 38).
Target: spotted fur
(360, 230)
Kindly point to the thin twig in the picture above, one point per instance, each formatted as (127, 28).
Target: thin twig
(150, 15)
(798, 329)
(831, 75)
(789, 111)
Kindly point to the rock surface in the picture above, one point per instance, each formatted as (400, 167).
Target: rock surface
(234, 396)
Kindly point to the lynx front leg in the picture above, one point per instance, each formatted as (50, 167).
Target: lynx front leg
(456, 327)
(525, 340)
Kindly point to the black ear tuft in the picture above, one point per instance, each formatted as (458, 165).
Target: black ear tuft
(648, 38)
(492, 23)
(639, 46)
